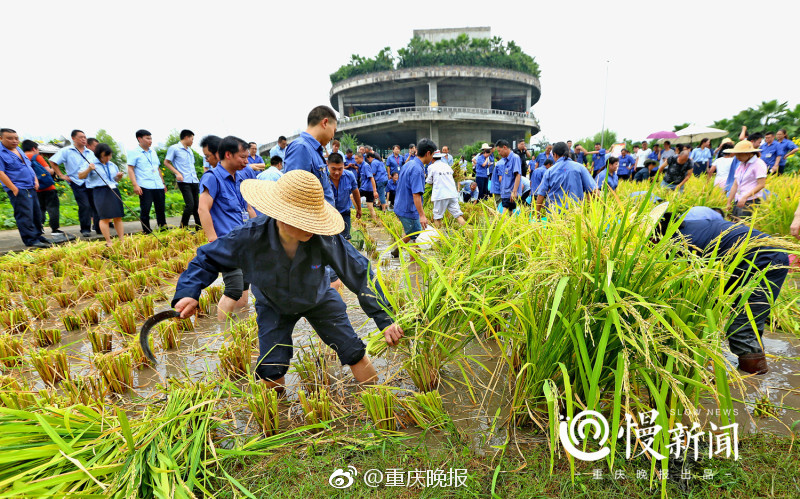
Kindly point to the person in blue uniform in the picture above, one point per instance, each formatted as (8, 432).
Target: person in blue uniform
(609, 176)
(20, 183)
(391, 188)
(484, 163)
(102, 177)
(598, 158)
(565, 181)
(410, 188)
(284, 255)
(708, 232)
(625, 165)
(381, 177)
(344, 185)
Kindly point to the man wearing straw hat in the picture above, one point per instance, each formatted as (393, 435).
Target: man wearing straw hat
(284, 255)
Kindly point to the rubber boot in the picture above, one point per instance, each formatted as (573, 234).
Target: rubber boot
(753, 363)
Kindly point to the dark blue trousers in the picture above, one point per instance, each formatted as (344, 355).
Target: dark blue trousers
(28, 215)
(86, 210)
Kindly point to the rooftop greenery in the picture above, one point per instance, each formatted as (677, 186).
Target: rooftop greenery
(461, 51)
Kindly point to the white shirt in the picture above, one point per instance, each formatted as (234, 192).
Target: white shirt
(641, 157)
(723, 165)
(440, 174)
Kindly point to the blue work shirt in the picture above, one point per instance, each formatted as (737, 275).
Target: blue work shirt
(305, 153)
(347, 182)
(145, 166)
(394, 163)
(73, 162)
(391, 185)
(654, 156)
(701, 213)
(565, 178)
(784, 147)
(379, 171)
(103, 175)
(408, 157)
(229, 209)
(626, 164)
(277, 151)
(541, 158)
(258, 160)
(769, 153)
(271, 173)
(511, 168)
(599, 160)
(604, 178)
(365, 173)
(701, 156)
(247, 173)
(536, 178)
(448, 158)
(483, 165)
(466, 188)
(580, 157)
(182, 159)
(18, 169)
(494, 175)
(704, 234)
(411, 181)
(289, 286)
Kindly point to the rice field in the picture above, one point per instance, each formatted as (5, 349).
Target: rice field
(511, 324)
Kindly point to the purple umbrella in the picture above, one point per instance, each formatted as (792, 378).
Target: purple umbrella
(663, 135)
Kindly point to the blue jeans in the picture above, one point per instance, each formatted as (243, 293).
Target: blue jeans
(641, 175)
(381, 186)
(483, 187)
(346, 216)
(27, 214)
(671, 187)
(411, 226)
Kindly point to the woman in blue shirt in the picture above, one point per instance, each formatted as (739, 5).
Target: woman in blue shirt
(701, 157)
(102, 177)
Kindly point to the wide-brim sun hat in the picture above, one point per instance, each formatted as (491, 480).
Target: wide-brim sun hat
(742, 147)
(485, 146)
(296, 199)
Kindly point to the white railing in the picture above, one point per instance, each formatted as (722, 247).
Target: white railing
(438, 109)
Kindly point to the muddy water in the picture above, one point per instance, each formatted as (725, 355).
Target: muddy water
(475, 416)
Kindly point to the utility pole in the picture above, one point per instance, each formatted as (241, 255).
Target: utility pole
(605, 99)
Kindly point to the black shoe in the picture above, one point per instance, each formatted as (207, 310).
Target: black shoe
(86, 233)
(396, 251)
(45, 240)
(39, 244)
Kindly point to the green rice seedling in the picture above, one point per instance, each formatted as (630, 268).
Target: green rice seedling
(66, 299)
(263, 404)
(5, 301)
(170, 334)
(138, 359)
(96, 265)
(90, 316)
(311, 366)
(51, 365)
(15, 320)
(37, 307)
(144, 306)
(379, 403)
(126, 320)
(116, 370)
(245, 331)
(214, 293)
(11, 350)
(234, 359)
(72, 322)
(185, 324)
(88, 286)
(85, 390)
(423, 368)
(108, 300)
(59, 268)
(14, 285)
(15, 396)
(124, 290)
(46, 337)
(51, 286)
(316, 406)
(204, 305)
(426, 410)
(100, 340)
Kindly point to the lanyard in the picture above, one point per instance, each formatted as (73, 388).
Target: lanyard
(147, 156)
(108, 171)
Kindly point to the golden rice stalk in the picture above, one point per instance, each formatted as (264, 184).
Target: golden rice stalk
(72, 322)
(11, 350)
(124, 291)
(108, 300)
(100, 340)
(15, 320)
(234, 359)
(37, 307)
(115, 368)
(90, 316)
(47, 337)
(51, 365)
(67, 299)
(125, 319)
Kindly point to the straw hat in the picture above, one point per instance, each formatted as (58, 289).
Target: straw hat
(296, 199)
(726, 140)
(485, 146)
(742, 147)
(654, 217)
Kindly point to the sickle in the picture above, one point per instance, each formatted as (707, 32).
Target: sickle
(148, 325)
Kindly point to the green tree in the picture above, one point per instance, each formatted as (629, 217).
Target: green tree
(609, 137)
(117, 156)
(680, 127)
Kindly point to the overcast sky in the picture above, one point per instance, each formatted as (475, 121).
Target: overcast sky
(255, 69)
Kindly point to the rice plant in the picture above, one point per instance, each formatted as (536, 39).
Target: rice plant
(170, 333)
(88, 286)
(125, 319)
(11, 350)
(234, 359)
(245, 331)
(51, 365)
(51, 286)
(263, 403)
(15, 396)
(116, 370)
(379, 402)
(85, 390)
(312, 368)
(316, 406)
(66, 299)
(100, 340)
(423, 368)
(108, 300)
(124, 291)
(138, 359)
(15, 320)
(144, 306)
(90, 316)
(37, 307)
(214, 293)
(204, 305)
(59, 268)
(72, 322)
(764, 407)
(47, 337)
(185, 324)
(426, 410)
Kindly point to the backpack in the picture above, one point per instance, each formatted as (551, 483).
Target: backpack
(44, 177)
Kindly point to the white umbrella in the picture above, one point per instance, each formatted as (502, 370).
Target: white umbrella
(694, 133)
